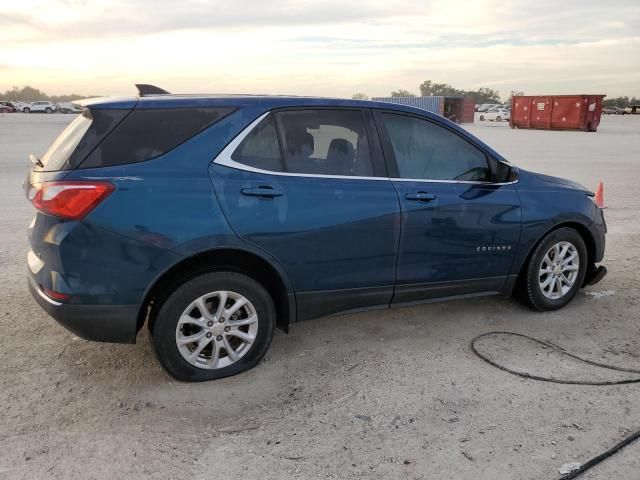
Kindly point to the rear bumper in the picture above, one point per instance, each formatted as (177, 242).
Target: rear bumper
(99, 323)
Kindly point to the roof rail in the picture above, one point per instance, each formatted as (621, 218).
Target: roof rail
(144, 89)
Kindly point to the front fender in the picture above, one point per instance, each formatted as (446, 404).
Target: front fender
(548, 206)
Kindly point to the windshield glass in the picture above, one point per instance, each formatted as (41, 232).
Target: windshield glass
(63, 146)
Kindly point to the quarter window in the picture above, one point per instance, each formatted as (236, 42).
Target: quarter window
(260, 149)
(424, 150)
(325, 142)
(148, 133)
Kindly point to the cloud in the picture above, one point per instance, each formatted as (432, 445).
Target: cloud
(325, 47)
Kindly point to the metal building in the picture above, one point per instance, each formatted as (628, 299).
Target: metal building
(457, 109)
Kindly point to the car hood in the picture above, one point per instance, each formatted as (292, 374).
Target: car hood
(548, 179)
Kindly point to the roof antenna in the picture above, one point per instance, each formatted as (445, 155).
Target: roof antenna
(144, 89)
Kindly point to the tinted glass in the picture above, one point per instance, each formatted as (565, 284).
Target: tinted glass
(260, 149)
(325, 142)
(103, 122)
(425, 150)
(63, 146)
(146, 134)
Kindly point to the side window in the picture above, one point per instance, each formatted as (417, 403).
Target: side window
(260, 149)
(425, 150)
(325, 142)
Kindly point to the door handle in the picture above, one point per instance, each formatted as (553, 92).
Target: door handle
(420, 196)
(264, 191)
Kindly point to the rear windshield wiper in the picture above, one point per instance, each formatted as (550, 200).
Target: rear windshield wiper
(36, 161)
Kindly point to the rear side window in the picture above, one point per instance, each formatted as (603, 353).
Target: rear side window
(146, 134)
(260, 149)
(325, 142)
(425, 150)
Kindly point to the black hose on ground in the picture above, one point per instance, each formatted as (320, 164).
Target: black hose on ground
(559, 350)
(595, 460)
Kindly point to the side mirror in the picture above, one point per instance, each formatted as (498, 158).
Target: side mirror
(503, 171)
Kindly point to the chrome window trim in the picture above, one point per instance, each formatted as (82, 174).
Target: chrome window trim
(224, 158)
(473, 182)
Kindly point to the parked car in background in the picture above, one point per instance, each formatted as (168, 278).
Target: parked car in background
(69, 107)
(486, 106)
(496, 114)
(6, 107)
(633, 109)
(215, 219)
(19, 106)
(44, 107)
(613, 111)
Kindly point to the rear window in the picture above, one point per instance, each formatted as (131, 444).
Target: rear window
(63, 146)
(146, 134)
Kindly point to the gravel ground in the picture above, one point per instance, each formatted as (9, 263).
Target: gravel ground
(393, 394)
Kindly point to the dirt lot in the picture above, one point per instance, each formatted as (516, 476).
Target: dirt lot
(384, 395)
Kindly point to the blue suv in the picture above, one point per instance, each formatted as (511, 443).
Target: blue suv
(216, 219)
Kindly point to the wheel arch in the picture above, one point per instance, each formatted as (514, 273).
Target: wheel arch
(222, 259)
(584, 232)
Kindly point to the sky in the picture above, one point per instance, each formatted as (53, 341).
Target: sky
(320, 47)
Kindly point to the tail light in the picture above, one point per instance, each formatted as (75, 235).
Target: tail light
(55, 295)
(70, 200)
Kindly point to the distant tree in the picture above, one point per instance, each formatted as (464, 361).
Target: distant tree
(621, 102)
(27, 93)
(428, 88)
(360, 96)
(403, 93)
(484, 95)
(514, 93)
(30, 94)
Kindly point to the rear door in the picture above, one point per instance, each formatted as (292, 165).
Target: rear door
(459, 228)
(309, 187)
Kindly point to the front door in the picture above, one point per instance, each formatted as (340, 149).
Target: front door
(309, 187)
(459, 229)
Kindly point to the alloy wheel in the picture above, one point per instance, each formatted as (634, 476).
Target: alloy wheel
(216, 330)
(559, 270)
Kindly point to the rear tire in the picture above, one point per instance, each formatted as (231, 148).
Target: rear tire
(181, 317)
(48, 110)
(26, 110)
(549, 265)
(498, 118)
(482, 118)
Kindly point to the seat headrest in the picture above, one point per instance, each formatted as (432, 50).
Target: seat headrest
(341, 147)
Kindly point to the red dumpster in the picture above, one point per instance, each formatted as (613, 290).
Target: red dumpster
(556, 112)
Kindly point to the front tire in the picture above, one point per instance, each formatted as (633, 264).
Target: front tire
(482, 118)
(26, 110)
(214, 326)
(555, 271)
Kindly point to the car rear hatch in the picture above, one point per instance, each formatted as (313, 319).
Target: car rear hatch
(60, 203)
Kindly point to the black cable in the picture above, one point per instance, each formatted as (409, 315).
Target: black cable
(563, 352)
(595, 460)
